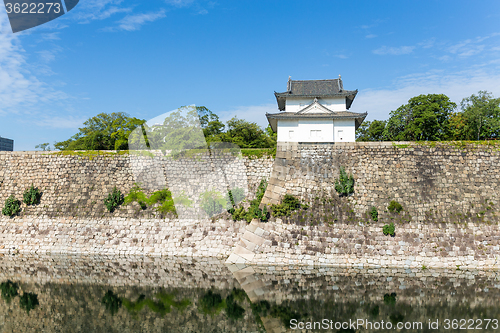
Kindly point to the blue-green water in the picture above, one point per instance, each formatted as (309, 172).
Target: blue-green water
(137, 294)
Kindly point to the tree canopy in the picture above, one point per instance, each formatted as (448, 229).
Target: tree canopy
(102, 132)
(425, 117)
(179, 130)
(434, 117)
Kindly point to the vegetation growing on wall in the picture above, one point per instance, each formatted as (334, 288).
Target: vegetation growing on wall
(344, 185)
(32, 196)
(114, 199)
(162, 198)
(288, 205)
(389, 229)
(253, 212)
(374, 213)
(394, 206)
(12, 206)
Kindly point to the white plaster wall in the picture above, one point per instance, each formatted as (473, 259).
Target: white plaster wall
(345, 130)
(284, 128)
(302, 130)
(297, 104)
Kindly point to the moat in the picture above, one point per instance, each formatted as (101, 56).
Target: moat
(140, 294)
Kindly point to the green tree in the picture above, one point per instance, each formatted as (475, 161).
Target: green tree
(246, 134)
(43, 146)
(481, 117)
(425, 117)
(371, 131)
(106, 131)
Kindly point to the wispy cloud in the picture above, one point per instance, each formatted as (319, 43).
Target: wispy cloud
(69, 122)
(179, 3)
(92, 10)
(371, 36)
(20, 89)
(394, 50)
(136, 21)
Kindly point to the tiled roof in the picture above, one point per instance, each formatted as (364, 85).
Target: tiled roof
(315, 88)
(273, 117)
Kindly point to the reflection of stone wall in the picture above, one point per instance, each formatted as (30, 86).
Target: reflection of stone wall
(434, 184)
(77, 308)
(75, 186)
(117, 271)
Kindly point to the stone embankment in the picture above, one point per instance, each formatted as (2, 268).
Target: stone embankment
(415, 245)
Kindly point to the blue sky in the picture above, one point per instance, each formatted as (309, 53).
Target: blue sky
(149, 57)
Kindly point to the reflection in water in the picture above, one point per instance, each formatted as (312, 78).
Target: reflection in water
(188, 295)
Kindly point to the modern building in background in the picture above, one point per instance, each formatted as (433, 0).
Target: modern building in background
(6, 144)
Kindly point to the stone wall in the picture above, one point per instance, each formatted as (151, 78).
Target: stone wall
(76, 185)
(446, 182)
(415, 245)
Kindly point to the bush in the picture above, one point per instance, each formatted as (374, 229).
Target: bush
(111, 302)
(254, 212)
(374, 213)
(32, 196)
(389, 229)
(211, 303)
(114, 199)
(345, 184)
(136, 194)
(233, 310)
(234, 197)
(9, 290)
(164, 198)
(261, 189)
(212, 202)
(394, 206)
(289, 204)
(28, 301)
(12, 206)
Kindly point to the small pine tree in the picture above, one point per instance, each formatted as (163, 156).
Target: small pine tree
(345, 184)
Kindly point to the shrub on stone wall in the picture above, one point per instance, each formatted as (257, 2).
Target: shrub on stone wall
(253, 212)
(136, 194)
(164, 198)
(374, 213)
(212, 202)
(12, 206)
(114, 199)
(389, 229)
(394, 206)
(234, 197)
(32, 196)
(286, 207)
(344, 185)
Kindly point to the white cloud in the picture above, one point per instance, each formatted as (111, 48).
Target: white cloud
(394, 50)
(252, 113)
(371, 36)
(20, 89)
(179, 3)
(135, 21)
(68, 122)
(379, 102)
(91, 10)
